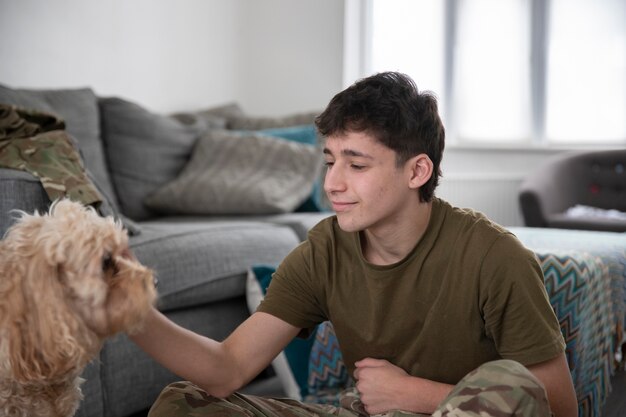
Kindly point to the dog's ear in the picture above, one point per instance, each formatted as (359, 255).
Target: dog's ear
(39, 326)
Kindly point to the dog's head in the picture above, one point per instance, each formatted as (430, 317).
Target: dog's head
(67, 281)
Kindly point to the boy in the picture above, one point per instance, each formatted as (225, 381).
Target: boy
(419, 293)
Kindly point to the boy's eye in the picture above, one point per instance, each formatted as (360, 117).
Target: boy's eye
(357, 167)
(328, 164)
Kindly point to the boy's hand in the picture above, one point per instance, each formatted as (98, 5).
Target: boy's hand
(381, 385)
(384, 387)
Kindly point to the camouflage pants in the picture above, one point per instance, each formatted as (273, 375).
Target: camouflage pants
(499, 388)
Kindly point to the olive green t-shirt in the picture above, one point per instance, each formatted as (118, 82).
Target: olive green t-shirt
(469, 292)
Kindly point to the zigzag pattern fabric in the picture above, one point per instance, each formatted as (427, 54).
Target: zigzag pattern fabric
(585, 275)
(609, 246)
(328, 375)
(581, 297)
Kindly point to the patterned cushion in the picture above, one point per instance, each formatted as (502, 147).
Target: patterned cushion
(241, 173)
(328, 375)
(246, 122)
(303, 134)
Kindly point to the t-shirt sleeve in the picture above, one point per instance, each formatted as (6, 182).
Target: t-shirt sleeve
(516, 308)
(292, 295)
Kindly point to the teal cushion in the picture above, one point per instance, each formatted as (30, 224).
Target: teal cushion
(303, 134)
(295, 373)
(316, 372)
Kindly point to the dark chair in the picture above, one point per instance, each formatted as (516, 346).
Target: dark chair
(590, 178)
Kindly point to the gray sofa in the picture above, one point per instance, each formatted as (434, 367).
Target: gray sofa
(201, 261)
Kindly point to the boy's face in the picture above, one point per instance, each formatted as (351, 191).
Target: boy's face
(366, 188)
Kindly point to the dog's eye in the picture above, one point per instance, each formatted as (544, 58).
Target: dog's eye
(107, 262)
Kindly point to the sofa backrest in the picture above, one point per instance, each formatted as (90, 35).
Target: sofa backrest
(144, 150)
(79, 109)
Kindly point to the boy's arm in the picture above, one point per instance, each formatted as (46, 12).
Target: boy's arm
(219, 368)
(556, 378)
(385, 387)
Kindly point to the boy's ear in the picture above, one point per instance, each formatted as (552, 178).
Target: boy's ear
(421, 169)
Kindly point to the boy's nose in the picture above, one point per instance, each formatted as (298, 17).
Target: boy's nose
(334, 181)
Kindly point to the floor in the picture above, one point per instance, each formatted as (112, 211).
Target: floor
(616, 403)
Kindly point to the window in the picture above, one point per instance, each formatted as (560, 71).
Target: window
(540, 72)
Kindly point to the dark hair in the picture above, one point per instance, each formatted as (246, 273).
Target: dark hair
(389, 107)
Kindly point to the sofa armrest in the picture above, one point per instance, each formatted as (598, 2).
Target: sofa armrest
(19, 190)
(550, 189)
(540, 196)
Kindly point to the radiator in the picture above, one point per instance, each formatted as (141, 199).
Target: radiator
(494, 195)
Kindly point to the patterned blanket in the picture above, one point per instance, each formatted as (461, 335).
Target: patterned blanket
(585, 276)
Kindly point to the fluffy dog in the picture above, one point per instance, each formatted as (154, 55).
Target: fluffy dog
(67, 282)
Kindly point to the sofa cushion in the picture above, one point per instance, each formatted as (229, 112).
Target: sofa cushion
(301, 223)
(23, 191)
(144, 150)
(328, 375)
(246, 122)
(212, 118)
(202, 262)
(241, 173)
(20, 191)
(292, 364)
(303, 134)
(312, 369)
(131, 380)
(79, 109)
(92, 404)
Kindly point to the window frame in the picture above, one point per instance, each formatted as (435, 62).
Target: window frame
(357, 59)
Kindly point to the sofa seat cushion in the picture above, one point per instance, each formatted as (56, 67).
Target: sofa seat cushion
(565, 221)
(132, 380)
(300, 222)
(198, 262)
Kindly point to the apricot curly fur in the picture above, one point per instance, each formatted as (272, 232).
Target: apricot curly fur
(67, 282)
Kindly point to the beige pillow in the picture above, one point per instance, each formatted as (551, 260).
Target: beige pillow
(240, 173)
(245, 122)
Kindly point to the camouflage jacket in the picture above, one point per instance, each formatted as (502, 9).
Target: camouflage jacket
(37, 143)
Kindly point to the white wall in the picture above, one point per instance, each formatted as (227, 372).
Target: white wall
(271, 56)
(291, 54)
(488, 180)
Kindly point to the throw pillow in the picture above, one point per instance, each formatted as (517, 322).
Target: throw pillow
(328, 375)
(244, 122)
(240, 173)
(291, 365)
(303, 134)
(212, 118)
(144, 150)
